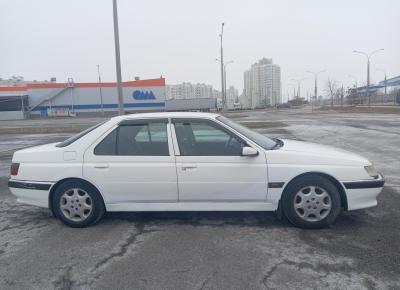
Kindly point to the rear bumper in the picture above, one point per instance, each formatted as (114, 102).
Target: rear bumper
(31, 192)
(363, 193)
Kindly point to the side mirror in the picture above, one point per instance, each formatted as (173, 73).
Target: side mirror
(249, 151)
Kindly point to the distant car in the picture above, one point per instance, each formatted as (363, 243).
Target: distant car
(190, 162)
(284, 106)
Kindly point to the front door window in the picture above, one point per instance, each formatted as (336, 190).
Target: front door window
(203, 138)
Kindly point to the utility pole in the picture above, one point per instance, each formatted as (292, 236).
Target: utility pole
(368, 55)
(315, 86)
(118, 60)
(71, 86)
(100, 91)
(222, 69)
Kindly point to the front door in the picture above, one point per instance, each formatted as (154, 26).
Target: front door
(134, 163)
(210, 166)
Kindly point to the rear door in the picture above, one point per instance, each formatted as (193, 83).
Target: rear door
(134, 163)
(210, 166)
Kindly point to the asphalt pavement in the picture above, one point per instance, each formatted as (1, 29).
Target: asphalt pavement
(229, 250)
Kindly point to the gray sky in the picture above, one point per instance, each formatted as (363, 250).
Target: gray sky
(179, 39)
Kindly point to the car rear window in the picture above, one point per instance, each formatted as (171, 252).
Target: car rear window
(73, 138)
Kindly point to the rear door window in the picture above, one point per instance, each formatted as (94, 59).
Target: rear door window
(136, 139)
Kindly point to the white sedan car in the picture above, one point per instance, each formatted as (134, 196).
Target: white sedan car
(190, 162)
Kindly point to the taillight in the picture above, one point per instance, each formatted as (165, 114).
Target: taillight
(14, 168)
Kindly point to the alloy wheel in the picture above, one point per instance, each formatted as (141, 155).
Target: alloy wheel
(76, 204)
(312, 203)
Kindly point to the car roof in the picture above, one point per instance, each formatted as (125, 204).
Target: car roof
(166, 115)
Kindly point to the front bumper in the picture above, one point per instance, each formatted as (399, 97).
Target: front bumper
(363, 193)
(31, 192)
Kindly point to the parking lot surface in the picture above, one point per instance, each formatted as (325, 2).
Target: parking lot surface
(230, 250)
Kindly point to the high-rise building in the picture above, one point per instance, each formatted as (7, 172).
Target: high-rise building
(189, 91)
(217, 94)
(262, 84)
(232, 97)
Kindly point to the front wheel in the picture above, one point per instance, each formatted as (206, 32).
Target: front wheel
(311, 202)
(78, 204)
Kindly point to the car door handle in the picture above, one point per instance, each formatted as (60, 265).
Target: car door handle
(101, 166)
(189, 167)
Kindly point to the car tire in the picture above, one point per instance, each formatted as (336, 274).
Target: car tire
(311, 202)
(78, 204)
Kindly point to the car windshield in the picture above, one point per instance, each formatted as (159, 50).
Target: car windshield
(261, 140)
(73, 138)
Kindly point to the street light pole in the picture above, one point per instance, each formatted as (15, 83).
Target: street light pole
(118, 60)
(222, 69)
(368, 55)
(315, 86)
(101, 92)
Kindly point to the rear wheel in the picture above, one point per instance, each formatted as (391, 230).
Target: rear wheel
(78, 204)
(311, 202)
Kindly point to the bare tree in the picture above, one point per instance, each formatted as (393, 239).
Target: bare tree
(331, 88)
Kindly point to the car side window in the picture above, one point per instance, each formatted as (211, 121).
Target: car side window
(141, 139)
(202, 138)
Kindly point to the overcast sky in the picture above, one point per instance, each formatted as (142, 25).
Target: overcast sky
(179, 39)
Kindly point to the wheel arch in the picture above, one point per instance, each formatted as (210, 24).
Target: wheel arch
(336, 183)
(61, 181)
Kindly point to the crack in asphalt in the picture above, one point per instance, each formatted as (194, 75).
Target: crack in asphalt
(268, 275)
(64, 281)
(123, 248)
(321, 267)
(131, 240)
(206, 280)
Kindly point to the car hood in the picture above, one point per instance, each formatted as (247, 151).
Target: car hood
(306, 152)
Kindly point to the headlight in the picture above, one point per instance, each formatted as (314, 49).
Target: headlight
(371, 171)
